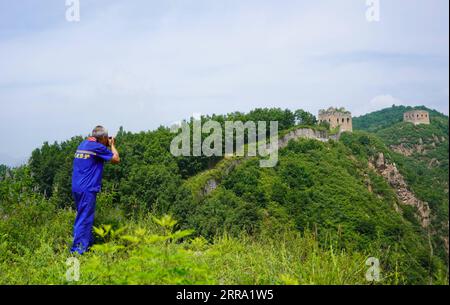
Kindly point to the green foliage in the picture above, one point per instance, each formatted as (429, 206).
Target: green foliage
(145, 157)
(387, 117)
(152, 251)
(304, 118)
(154, 186)
(322, 187)
(106, 232)
(224, 212)
(50, 166)
(3, 170)
(313, 219)
(325, 125)
(423, 162)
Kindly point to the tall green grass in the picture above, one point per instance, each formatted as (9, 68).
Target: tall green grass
(35, 238)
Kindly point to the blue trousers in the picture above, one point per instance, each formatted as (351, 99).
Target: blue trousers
(82, 229)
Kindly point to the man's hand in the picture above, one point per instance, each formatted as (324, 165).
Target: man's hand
(112, 143)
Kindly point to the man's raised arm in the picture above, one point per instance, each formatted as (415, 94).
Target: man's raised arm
(116, 158)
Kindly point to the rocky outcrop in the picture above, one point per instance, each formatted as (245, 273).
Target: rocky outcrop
(211, 185)
(433, 163)
(423, 147)
(445, 238)
(408, 151)
(217, 174)
(390, 172)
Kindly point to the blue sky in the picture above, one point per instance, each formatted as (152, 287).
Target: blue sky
(140, 64)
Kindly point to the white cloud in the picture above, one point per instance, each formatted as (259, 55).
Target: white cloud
(141, 64)
(383, 101)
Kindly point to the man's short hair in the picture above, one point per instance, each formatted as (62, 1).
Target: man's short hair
(99, 132)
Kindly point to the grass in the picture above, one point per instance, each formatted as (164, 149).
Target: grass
(152, 251)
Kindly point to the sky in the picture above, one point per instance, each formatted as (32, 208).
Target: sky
(144, 63)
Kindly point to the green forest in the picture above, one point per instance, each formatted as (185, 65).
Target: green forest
(314, 218)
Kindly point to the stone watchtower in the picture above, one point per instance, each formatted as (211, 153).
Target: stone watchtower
(417, 117)
(337, 117)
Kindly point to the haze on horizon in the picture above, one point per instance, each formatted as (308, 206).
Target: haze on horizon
(141, 64)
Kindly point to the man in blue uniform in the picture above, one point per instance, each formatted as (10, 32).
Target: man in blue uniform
(86, 183)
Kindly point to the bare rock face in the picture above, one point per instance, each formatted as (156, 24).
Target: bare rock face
(210, 186)
(434, 162)
(436, 139)
(408, 151)
(445, 239)
(401, 149)
(390, 172)
(212, 183)
(446, 243)
(380, 163)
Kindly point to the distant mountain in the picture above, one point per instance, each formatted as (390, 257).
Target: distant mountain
(11, 161)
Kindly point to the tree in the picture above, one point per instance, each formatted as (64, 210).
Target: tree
(304, 118)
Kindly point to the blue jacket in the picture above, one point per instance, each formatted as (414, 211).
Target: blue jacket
(88, 166)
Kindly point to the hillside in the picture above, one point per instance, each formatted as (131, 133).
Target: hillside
(313, 219)
(387, 117)
(421, 154)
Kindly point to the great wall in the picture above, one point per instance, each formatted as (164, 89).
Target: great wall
(338, 119)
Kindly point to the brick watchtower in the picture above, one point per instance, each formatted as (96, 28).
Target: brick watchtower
(337, 117)
(417, 117)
